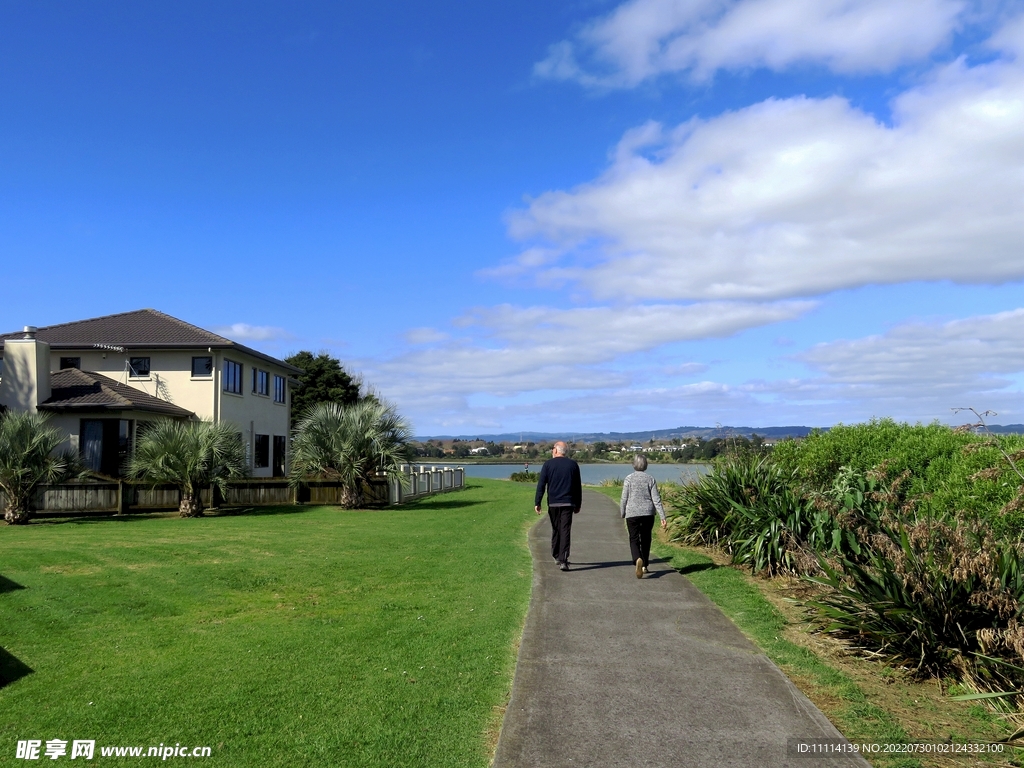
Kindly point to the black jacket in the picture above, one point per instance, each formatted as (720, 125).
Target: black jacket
(561, 477)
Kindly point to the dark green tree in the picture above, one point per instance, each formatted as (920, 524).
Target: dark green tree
(324, 380)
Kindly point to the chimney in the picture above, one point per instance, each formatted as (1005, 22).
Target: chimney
(26, 372)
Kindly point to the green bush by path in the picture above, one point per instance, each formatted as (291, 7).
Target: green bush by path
(913, 533)
(942, 465)
(283, 637)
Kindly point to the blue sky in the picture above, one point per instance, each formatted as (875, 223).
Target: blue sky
(535, 216)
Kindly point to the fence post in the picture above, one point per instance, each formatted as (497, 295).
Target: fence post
(124, 494)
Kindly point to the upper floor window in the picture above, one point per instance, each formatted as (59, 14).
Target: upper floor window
(202, 366)
(139, 366)
(260, 382)
(279, 389)
(70, 362)
(232, 377)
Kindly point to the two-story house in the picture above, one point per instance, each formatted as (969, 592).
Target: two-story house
(101, 379)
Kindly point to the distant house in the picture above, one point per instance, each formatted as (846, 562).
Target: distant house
(105, 378)
(480, 451)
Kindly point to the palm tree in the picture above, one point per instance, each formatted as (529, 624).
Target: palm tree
(351, 444)
(28, 459)
(191, 455)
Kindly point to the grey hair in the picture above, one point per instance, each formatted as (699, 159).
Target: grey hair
(639, 462)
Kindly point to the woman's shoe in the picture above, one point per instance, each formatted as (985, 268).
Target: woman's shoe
(639, 568)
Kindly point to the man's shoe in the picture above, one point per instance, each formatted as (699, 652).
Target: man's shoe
(639, 568)
(645, 569)
(564, 566)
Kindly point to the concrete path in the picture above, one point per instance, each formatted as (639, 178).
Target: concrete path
(619, 671)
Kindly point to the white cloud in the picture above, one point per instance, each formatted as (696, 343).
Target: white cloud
(246, 332)
(917, 371)
(424, 336)
(799, 197)
(508, 350)
(644, 38)
(967, 357)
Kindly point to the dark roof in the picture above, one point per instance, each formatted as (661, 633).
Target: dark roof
(141, 329)
(72, 389)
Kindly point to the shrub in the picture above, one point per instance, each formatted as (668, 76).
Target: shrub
(929, 595)
(747, 506)
(524, 477)
(949, 471)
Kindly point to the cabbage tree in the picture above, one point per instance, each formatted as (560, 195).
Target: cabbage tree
(351, 444)
(29, 458)
(191, 455)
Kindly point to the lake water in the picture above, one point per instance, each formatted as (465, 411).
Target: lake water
(592, 474)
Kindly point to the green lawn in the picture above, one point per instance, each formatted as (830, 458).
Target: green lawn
(288, 636)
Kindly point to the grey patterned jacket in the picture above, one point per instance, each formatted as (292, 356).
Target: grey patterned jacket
(640, 496)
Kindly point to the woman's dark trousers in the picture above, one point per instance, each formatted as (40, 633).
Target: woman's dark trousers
(561, 527)
(640, 537)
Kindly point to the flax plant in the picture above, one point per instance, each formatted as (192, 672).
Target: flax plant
(190, 455)
(351, 444)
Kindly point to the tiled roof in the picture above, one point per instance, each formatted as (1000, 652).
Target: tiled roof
(141, 329)
(88, 391)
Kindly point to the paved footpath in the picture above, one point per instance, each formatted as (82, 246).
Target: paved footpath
(645, 673)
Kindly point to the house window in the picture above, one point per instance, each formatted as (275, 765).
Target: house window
(139, 367)
(279, 389)
(262, 457)
(70, 362)
(202, 366)
(260, 382)
(232, 377)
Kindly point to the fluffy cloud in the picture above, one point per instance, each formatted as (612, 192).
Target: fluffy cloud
(246, 332)
(644, 38)
(915, 371)
(799, 197)
(967, 358)
(508, 350)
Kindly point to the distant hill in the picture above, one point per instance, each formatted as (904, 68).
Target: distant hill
(707, 433)
(613, 437)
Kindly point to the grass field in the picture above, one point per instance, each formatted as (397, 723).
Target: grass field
(281, 637)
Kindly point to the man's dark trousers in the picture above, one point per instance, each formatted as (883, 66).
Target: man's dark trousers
(561, 527)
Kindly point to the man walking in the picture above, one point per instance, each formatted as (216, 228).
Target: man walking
(560, 476)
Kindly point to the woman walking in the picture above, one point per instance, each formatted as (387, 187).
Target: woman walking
(640, 500)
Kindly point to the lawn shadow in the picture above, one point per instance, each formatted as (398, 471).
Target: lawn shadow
(11, 669)
(440, 503)
(6, 585)
(278, 509)
(87, 519)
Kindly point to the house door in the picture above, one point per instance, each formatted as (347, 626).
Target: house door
(280, 445)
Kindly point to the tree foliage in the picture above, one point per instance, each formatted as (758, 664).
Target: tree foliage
(323, 380)
(351, 444)
(28, 459)
(191, 455)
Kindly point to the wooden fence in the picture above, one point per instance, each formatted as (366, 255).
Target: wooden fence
(120, 497)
